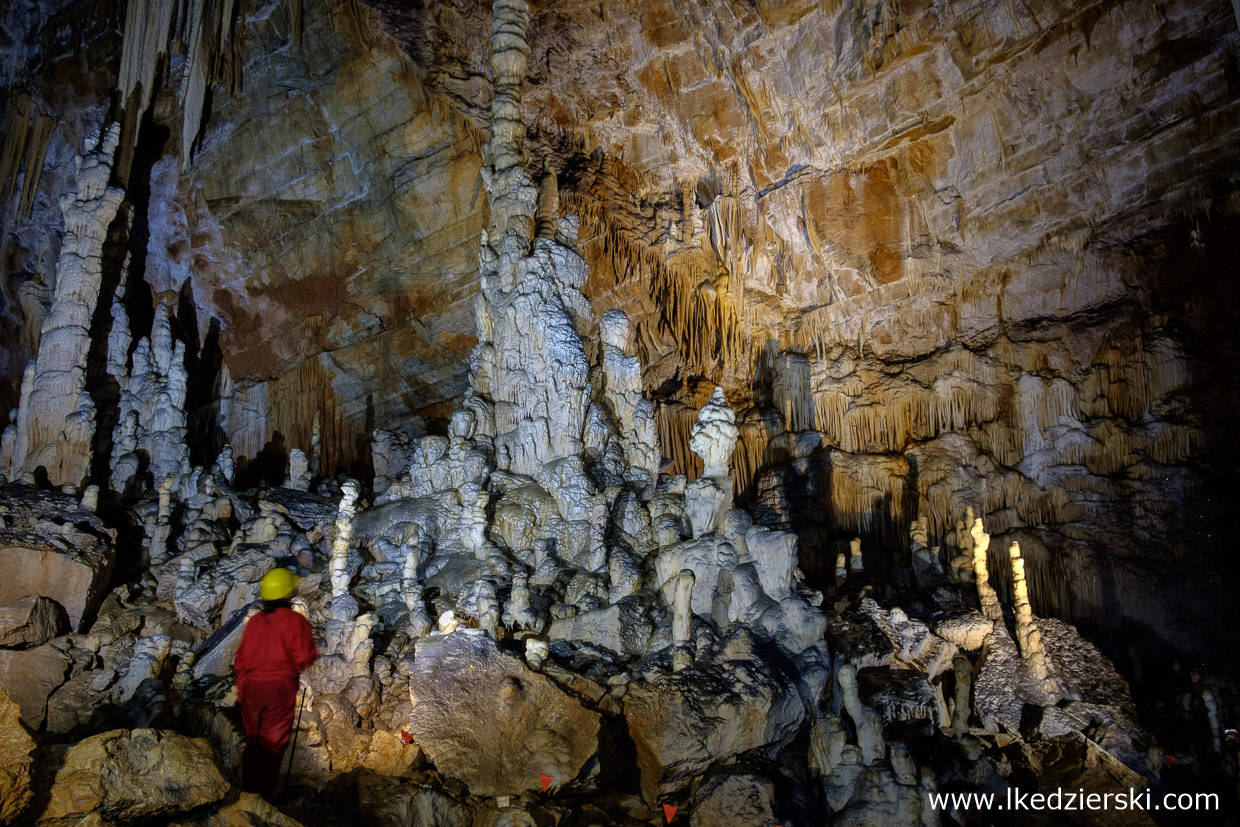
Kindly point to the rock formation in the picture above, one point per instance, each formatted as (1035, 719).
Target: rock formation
(55, 422)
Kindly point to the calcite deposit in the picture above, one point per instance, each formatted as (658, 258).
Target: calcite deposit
(770, 413)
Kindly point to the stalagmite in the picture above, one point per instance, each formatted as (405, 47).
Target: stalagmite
(1027, 633)
(927, 568)
(841, 569)
(1216, 727)
(344, 534)
(868, 723)
(316, 444)
(682, 621)
(520, 613)
(536, 652)
(151, 425)
(597, 561)
(147, 661)
(714, 436)
(962, 562)
(962, 708)
(411, 589)
(855, 563)
(530, 377)
(224, 464)
(985, 592)
(298, 471)
(632, 411)
(56, 418)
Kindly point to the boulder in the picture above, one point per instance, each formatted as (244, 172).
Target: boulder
(469, 698)
(728, 702)
(134, 774)
(387, 801)
(16, 747)
(53, 546)
(31, 620)
(29, 676)
(214, 656)
(735, 799)
(623, 627)
(200, 603)
(76, 577)
(878, 799)
(76, 700)
(1074, 762)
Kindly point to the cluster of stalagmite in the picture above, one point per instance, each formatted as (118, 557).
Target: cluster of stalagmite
(150, 439)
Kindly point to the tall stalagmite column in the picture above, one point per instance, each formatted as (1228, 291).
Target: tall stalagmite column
(1027, 633)
(986, 595)
(530, 376)
(56, 419)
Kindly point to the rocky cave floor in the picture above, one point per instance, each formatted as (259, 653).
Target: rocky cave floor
(132, 719)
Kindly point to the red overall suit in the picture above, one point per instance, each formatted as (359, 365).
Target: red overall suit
(275, 647)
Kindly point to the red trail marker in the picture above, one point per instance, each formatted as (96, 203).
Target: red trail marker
(669, 812)
(546, 781)
(405, 738)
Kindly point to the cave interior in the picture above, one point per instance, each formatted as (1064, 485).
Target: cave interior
(722, 412)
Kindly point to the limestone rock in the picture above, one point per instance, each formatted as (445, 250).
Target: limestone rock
(623, 627)
(133, 774)
(1072, 762)
(389, 802)
(54, 547)
(31, 620)
(29, 677)
(468, 696)
(740, 799)
(729, 701)
(16, 761)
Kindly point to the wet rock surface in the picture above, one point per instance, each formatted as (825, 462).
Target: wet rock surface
(469, 699)
(16, 761)
(134, 774)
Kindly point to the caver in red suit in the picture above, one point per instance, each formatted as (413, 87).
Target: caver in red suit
(276, 646)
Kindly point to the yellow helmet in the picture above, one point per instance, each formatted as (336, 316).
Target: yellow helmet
(277, 584)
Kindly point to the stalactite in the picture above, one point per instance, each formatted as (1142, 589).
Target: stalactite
(674, 422)
(749, 456)
(289, 405)
(698, 294)
(148, 25)
(204, 33)
(27, 133)
(296, 14)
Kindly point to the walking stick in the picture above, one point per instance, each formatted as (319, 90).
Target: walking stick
(301, 704)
